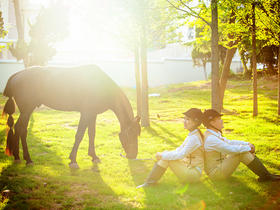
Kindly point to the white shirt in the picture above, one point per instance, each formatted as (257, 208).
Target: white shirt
(221, 144)
(191, 143)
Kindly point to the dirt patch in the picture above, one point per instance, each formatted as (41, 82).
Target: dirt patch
(77, 190)
(274, 97)
(107, 121)
(191, 87)
(271, 86)
(273, 202)
(232, 86)
(230, 112)
(239, 98)
(164, 101)
(70, 126)
(269, 82)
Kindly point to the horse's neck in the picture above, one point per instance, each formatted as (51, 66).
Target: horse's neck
(123, 110)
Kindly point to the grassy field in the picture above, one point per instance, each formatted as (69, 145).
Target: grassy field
(50, 184)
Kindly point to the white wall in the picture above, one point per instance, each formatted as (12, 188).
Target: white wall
(8, 68)
(167, 71)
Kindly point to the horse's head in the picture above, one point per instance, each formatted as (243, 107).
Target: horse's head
(129, 138)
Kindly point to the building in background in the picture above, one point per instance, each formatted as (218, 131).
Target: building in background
(172, 64)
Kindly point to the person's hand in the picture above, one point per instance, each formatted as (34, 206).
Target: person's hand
(252, 148)
(158, 156)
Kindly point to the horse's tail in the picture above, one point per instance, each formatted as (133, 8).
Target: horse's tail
(9, 109)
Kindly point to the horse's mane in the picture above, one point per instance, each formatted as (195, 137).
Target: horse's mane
(127, 106)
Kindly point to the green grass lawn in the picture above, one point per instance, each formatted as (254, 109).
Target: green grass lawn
(50, 184)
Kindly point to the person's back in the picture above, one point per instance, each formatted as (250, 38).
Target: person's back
(222, 156)
(187, 160)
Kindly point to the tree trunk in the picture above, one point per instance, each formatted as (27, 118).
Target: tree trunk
(279, 79)
(244, 64)
(225, 73)
(20, 27)
(254, 64)
(137, 80)
(19, 22)
(227, 62)
(205, 72)
(215, 92)
(145, 122)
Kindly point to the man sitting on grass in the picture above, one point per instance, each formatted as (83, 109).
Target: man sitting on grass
(222, 156)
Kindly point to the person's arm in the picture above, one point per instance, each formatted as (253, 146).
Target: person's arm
(214, 143)
(190, 144)
(238, 142)
(235, 142)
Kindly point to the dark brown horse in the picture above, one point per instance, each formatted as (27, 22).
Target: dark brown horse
(85, 89)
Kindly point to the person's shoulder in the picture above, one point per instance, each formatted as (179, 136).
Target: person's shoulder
(211, 137)
(195, 137)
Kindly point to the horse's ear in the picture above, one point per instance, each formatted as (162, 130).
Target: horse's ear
(137, 119)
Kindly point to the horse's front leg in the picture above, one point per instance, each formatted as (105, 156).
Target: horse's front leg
(78, 138)
(91, 137)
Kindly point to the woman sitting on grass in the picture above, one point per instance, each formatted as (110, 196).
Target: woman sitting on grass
(187, 160)
(222, 156)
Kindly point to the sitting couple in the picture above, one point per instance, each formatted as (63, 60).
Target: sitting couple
(216, 154)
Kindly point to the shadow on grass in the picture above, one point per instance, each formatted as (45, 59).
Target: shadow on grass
(272, 120)
(270, 164)
(232, 193)
(162, 135)
(31, 188)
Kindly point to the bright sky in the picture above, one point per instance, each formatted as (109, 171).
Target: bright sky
(87, 31)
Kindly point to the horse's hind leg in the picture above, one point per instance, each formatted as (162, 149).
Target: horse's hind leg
(16, 142)
(21, 131)
(91, 136)
(78, 138)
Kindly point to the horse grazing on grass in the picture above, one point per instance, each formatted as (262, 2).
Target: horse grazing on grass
(84, 89)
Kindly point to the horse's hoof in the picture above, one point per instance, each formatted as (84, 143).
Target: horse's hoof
(17, 161)
(29, 163)
(96, 160)
(74, 165)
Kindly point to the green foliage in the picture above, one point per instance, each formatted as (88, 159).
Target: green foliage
(50, 27)
(201, 53)
(130, 19)
(150, 16)
(3, 32)
(235, 25)
(50, 184)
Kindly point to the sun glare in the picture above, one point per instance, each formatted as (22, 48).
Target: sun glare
(91, 30)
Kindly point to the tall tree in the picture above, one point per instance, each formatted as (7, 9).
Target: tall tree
(199, 11)
(215, 91)
(270, 30)
(21, 45)
(49, 27)
(142, 27)
(254, 62)
(145, 122)
(137, 80)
